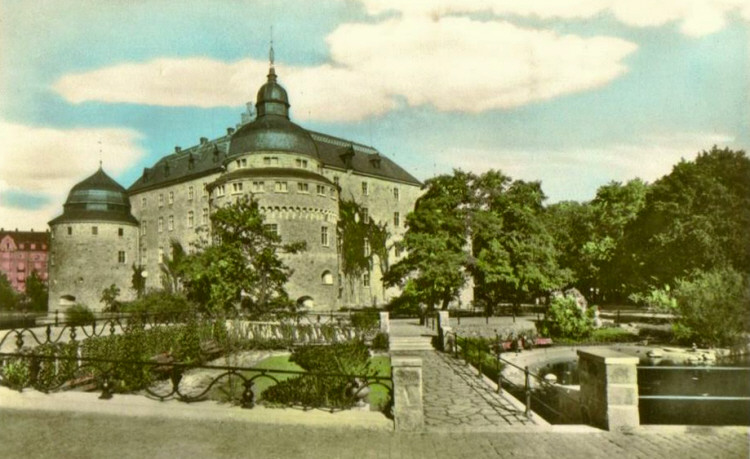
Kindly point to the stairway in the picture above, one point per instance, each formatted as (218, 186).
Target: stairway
(410, 343)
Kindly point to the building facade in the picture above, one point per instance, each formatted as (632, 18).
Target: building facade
(297, 176)
(21, 253)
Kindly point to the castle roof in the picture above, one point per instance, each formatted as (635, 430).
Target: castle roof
(97, 198)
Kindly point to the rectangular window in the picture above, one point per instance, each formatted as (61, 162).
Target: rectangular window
(144, 226)
(396, 193)
(272, 228)
(365, 188)
(170, 223)
(190, 219)
(237, 187)
(70, 231)
(324, 236)
(161, 224)
(161, 200)
(321, 190)
(171, 197)
(274, 161)
(336, 180)
(367, 248)
(161, 254)
(266, 160)
(144, 256)
(121, 256)
(191, 193)
(258, 187)
(120, 232)
(280, 187)
(396, 219)
(366, 279)
(94, 230)
(143, 201)
(365, 215)
(302, 187)
(302, 163)
(333, 192)
(204, 217)
(220, 190)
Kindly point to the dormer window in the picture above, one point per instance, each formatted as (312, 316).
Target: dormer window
(375, 161)
(191, 162)
(166, 169)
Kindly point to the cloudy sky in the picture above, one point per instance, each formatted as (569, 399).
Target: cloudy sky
(574, 93)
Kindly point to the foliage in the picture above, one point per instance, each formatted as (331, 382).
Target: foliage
(352, 232)
(9, 298)
(480, 352)
(712, 307)
(78, 315)
(242, 267)
(109, 298)
(435, 242)
(697, 217)
(161, 305)
(380, 342)
(15, 373)
(514, 255)
(137, 280)
(565, 319)
(36, 292)
(170, 267)
(316, 390)
(366, 320)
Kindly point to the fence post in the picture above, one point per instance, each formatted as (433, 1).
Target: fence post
(528, 391)
(56, 317)
(408, 408)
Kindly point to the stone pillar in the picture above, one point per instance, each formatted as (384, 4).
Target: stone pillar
(609, 389)
(447, 339)
(385, 322)
(408, 410)
(443, 328)
(443, 319)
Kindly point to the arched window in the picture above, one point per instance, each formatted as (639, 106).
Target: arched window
(327, 278)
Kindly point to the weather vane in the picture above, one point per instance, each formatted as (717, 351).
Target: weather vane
(270, 51)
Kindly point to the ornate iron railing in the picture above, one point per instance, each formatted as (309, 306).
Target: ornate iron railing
(53, 372)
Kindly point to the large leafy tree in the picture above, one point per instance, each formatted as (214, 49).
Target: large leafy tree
(241, 265)
(515, 258)
(9, 298)
(436, 242)
(695, 218)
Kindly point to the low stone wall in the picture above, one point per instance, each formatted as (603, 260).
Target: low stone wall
(609, 389)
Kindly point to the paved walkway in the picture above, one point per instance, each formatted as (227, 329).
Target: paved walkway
(455, 398)
(37, 434)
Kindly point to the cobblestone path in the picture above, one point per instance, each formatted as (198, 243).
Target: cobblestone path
(454, 397)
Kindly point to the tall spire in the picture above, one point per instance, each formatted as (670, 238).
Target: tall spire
(271, 70)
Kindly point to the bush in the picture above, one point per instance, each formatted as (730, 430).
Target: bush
(314, 390)
(161, 306)
(380, 342)
(565, 319)
(78, 315)
(366, 320)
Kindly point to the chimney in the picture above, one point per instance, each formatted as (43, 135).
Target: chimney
(230, 130)
(177, 149)
(204, 140)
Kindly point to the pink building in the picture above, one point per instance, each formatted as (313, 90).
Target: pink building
(21, 253)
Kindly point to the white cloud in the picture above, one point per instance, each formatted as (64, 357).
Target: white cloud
(695, 17)
(577, 173)
(453, 64)
(48, 162)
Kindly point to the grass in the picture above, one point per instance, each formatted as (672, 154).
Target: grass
(230, 390)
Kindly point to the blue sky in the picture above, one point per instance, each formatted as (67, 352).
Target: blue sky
(575, 93)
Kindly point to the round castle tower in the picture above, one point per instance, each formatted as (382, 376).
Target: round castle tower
(277, 162)
(93, 244)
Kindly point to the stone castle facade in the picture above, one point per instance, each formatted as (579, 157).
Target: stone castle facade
(297, 176)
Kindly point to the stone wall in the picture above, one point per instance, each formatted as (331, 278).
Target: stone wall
(82, 264)
(609, 389)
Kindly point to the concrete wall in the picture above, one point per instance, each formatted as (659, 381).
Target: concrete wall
(82, 264)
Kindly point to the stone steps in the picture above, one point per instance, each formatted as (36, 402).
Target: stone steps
(411, 343)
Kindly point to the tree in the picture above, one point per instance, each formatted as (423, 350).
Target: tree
(138, 280)
(170, 268)
(436, 242)
(241, 267)
(8, 296)
(354, 232)
(109, 298)
(36, 292)
(514, 254)
(695, 218)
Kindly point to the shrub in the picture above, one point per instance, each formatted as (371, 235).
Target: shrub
(161, 306)
(78, 315)
(15, 374)
(315, 390)
(366, 320)
(565, 319)
(380, 342)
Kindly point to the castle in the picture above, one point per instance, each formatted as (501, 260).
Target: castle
(297, 176)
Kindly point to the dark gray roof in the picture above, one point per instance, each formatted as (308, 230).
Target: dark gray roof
(97, 198)
(207, 158)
